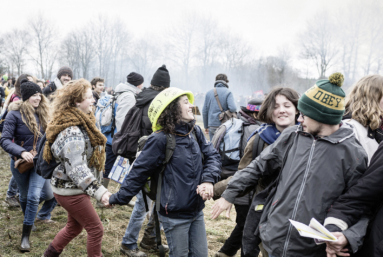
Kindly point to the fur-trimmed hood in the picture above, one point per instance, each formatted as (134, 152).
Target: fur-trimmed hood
(15, 106)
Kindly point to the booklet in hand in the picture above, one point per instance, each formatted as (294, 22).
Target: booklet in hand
(314, 230)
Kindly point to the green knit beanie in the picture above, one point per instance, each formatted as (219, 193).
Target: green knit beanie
(324, 102)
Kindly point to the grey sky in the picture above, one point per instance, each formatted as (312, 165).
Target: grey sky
(267, 25)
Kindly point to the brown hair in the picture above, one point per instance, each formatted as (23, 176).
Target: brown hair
(95, 80)
(363, 101)
(222, 76)
(28, 115)
(266, 112)
(18, 83)
(66, 97)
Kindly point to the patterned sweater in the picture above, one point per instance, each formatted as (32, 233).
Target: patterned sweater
(72, 148)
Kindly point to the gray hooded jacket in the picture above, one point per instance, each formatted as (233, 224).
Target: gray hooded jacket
(125, 101)
(315, 173)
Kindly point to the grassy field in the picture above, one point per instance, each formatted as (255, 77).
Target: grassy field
(114, 221)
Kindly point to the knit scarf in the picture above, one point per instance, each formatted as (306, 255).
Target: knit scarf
(268, 132)
(75, 117)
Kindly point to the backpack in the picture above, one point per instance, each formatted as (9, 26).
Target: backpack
(105, 113)
(232, 144)
(42, 168)
(125, 141)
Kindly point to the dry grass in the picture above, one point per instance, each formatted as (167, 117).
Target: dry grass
(114, 220)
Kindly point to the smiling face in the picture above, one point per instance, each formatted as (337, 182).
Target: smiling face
(284, 113)
(35, 100)
(99, 87)
(186, 109)
(86, 105)
(309, 125)
(65, 79)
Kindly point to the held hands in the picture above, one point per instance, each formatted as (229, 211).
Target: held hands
(219, 207)
(206, 130)
(335, 249)
(27, 156)
(105, 199)
(205, 190)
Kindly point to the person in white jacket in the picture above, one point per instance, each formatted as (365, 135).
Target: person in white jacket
(364, 111)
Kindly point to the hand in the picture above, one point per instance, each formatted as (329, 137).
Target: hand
(334, 249)
(206, 190)
(207, 131)
(105, 199)
(27, 156)
(219, 207)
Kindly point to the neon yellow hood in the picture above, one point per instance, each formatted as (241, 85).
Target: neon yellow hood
(162, 100)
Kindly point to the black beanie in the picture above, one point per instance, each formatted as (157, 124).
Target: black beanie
(65, 70)
(135, 79)
(28, 89)
(161, 78)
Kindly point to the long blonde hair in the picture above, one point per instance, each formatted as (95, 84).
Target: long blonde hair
(28, 115)
(73, 92)
(363, 101)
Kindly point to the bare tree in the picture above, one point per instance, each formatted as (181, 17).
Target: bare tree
(43, 39)
(15, 45)
(143, 55)
(318, 42)
(69, 54)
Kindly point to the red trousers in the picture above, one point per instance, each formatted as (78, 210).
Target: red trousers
(81, 214)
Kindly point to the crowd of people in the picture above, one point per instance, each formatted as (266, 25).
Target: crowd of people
(295, 157)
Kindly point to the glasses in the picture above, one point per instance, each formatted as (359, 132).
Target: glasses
(301, 114)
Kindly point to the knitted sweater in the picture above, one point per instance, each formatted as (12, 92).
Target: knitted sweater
(72, 148)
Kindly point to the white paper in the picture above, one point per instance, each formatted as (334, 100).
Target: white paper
(310, 232)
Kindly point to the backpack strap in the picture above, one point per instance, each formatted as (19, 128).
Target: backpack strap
(257, 146)
(216, 98)
(115, 96)
(195, 138)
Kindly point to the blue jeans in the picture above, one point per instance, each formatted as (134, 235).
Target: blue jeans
(186, 237)
(212, 131)
(12, 188)
(110, 159)
(135, 223)
(33, 190)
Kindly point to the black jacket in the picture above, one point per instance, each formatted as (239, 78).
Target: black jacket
(365, 197)
(143, 100)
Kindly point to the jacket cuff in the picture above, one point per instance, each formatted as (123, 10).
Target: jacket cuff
(351, 241)
(337, 222)
(100, 192)
(228, 196)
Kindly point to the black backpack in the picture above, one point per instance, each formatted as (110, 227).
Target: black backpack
(42, 168)
(125, 141)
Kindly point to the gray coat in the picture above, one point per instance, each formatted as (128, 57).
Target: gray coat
(316, 172)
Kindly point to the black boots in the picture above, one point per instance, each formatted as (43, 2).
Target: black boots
(25, 245)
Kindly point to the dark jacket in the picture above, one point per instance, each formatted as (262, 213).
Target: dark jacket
(96, 97)
(315, 173)
(50, 89)
(15, 129)
(364, 198)
(182, 174)
(2, 93)
(144, 99)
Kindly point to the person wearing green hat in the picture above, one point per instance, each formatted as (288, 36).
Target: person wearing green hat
(314, 162)
(188, 178)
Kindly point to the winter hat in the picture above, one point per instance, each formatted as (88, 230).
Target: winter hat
(162, 100)
(135, 79)
(324, 102)
(254, 105)
(5, 77)
(161, 78)
(65, 70)
(28, 89)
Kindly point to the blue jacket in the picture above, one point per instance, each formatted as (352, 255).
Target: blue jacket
(15, 129)
(184, 172)
(211, 109)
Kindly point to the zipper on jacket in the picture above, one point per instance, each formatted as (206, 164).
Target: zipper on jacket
(191, 154)
(299, 198)
(166, 205)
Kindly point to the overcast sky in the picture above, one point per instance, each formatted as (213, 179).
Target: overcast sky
(267, 25)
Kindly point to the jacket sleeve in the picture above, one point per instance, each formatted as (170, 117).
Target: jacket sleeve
(8, 134)
(361, 197)
(205, 113)
(145, 166)
(125, 102)
(356, 233)
(231, 103)
(267, 163)
(212, 159)
(72, 155)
